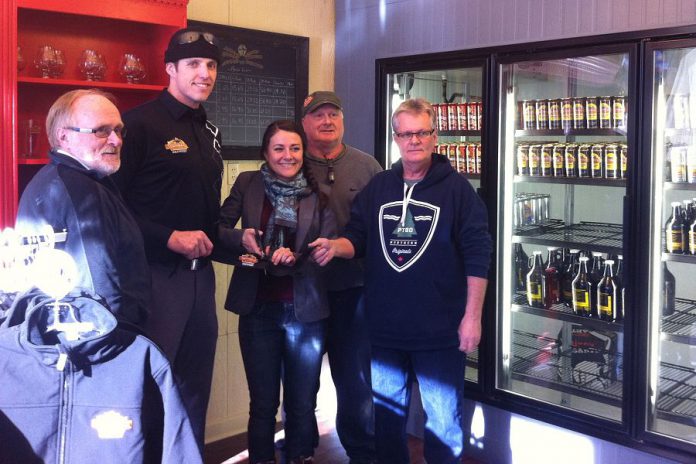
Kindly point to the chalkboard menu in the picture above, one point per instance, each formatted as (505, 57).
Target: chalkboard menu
(262, 76)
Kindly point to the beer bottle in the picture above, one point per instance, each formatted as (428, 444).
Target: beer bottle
(620, 286)
(595, 276)
(669, 291)
(536, 283)
(606, 293)
(521, 268)
(570, 270)
(692, 236)
(582, 289)
(552, 274)
(674, 230)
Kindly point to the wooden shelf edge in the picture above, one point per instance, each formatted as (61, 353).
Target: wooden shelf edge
(98, 84)
(33, 161)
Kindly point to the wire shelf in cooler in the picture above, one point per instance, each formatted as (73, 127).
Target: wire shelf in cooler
(595, 236)
(562, 312)
(680, 326)
(542, 361)
(571, 180)
(676, 397)
(571, 132)
(679, 258)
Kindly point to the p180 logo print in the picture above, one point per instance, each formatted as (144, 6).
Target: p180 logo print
(404, 242)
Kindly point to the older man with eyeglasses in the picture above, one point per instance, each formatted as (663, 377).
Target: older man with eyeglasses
(171, 179)
(75, 193)
(423, 232)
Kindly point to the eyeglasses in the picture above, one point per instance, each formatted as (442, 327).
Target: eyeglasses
(187, 37)
(101, 132)
(406, 136)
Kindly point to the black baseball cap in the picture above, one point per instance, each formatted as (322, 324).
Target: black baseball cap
(192, 42)
(316, 99)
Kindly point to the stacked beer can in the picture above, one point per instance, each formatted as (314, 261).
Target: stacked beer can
(459, 116)
(574, 113)
(465, 157)
(531, 209)
(591, 160)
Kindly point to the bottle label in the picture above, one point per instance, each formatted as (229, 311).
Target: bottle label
(692, 242)
(605, 303)
(676, 243)
(535, 291)
(582, 299)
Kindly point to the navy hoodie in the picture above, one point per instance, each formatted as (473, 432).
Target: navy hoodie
(419, 245)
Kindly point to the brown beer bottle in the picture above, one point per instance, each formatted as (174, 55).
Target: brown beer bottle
(607, 294)
(536, 284)
(521, 267)
(675, 230)
(582, 289)
(669, 292)
(552, 275)
(570, 270)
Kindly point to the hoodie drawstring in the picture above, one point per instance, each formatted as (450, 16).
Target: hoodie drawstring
(408, 192)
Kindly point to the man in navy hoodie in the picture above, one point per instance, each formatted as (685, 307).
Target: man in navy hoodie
(423, 232)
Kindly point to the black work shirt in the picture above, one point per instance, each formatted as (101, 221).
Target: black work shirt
(171, 172)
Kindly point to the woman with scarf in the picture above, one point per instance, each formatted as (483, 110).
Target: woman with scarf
(277, 290)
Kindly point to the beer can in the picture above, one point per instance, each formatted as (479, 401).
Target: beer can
(584, 160)
(547, 160)
(677, 159)
(544, 201)
(472, 116)
(612, 161)
(554, 113)
(442, 123)
(566, 113)
(528, 115)
(461, 157)
(542, 116)
(462, 122)
(523, 159)
(559, 159)
(479, 115)
(618, 111)
(571, 160)
(579, 113)
(535, 160)
(691, 164)
(452, 154)
(597, 161)
(471, 158)
(478, 158)
(442, 149)
(591, 113)
(680, 111)
(452, 117)
(605, 118)
(623, 157)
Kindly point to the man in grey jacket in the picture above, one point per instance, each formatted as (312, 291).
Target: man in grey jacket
(345, 171)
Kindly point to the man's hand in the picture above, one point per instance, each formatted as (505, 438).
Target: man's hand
(469, 334)
(190, 243)
(283, 256)
(250, 242)
(323, 251)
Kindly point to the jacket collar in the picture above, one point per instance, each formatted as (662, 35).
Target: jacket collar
(178, 110)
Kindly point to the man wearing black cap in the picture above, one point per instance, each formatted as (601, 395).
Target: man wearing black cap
(171, 175)
(345, 170)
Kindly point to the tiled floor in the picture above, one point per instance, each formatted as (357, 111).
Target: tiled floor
(330, 451)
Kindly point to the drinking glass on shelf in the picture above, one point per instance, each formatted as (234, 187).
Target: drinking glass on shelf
(92, 65)
(32, 131)
(45, 60)
(59, 63)
(132, 68)
(20, 59)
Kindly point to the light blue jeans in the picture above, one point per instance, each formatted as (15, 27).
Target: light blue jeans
(440, 376)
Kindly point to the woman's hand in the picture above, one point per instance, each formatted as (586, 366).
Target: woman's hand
(283, 256)
(250, 243)
(323, 251)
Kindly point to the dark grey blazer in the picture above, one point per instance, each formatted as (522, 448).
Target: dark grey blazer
(245, 202)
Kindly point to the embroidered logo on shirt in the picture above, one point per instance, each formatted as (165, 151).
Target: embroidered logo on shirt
(111, 425)
(404, 242)
(176, 145)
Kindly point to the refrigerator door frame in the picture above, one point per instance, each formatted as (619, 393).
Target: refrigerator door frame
(558, 415)
(646, 198)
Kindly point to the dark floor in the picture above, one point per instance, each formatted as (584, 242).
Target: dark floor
(330, 451)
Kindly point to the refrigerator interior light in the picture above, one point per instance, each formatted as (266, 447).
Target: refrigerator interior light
(655, 287)
(505, 219)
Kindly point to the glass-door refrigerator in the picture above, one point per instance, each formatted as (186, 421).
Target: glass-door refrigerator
(456, 88)
(669, 388)
(564, 300)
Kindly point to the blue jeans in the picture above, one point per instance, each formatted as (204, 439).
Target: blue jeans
(440, 375)
(348, 347)
(277, 347)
